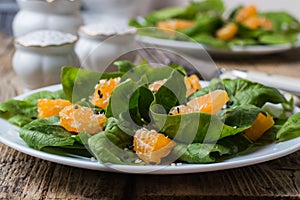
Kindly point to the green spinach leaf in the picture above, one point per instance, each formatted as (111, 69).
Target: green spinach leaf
(290, 129)
(109, 146)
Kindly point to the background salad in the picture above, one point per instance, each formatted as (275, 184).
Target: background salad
(206, 23)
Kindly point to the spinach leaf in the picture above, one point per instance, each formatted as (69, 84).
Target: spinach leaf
(33, 98)
(242, 116)
(164, 14)
(151, 74)
(14, 107)
(172, 93)
(108, 146)
(124, 65)
(198, 153)
(132, 95)
(214, 7)
(242, 42)
(47, 132)
(20, 120)
(277, 38)
(242, 91)
(192, 127)
(209, 40)
(290, 129)
(21, 112)
(204, 24)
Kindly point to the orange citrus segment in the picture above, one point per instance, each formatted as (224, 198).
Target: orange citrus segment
(265, 23)
(154, 87)
(103, 91)
(49, 107)
(192, 84)
(259, 127)
(251, 22)
(227, 32)
(170, 26)
(210, 103)
(75, 118)
(151, 146)
(245, 12)
(182, 109)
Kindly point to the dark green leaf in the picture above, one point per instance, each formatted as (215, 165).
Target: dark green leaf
(209, 40)
(290, 129)
(108, 146)
(47, 132)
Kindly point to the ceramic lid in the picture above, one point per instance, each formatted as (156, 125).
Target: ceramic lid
(105, 30)
(46, 38)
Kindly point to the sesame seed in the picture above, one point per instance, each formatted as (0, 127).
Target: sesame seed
(178, 110)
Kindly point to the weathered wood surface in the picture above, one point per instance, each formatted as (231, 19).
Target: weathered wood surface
(26, 177)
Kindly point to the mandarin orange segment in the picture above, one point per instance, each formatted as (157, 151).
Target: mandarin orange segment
(170, 26)
(49, 107)
(103, 91)
(260, 126)
(154, 87)
(227, 32)
(151, 146)
(75, 118)
(210, 103)
(192, 84)
(252, 22)
(265, 23)
(182, 109)
(245, 12)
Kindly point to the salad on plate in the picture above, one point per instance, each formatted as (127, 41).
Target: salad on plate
(140, 115)
(208, 22)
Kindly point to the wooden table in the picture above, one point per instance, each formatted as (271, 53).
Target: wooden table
(26, 177)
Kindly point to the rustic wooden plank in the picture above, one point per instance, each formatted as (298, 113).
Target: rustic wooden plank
(271, 180)
(26, 177)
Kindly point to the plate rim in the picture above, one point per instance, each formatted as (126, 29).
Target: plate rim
(86, 163)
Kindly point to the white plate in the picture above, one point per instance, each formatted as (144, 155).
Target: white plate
(10, 137)
(195, 49)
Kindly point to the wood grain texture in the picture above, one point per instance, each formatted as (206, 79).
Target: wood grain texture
(271, 180)
(26, 177)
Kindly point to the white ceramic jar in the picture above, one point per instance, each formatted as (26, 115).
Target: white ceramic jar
(40, 55)
(100, 44)
(61, 15)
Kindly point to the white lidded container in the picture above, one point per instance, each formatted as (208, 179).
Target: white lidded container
(61, 15)
(40, 55)
(100, 44)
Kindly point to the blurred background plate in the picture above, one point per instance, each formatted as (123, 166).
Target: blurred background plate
(196, 49)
